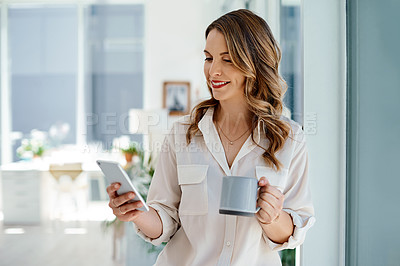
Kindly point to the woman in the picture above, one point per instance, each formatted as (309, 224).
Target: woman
(239, 131)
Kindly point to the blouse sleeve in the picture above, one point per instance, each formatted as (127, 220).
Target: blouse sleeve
(297, 197)
(164, 192)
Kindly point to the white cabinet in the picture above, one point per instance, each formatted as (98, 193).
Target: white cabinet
(22, 197)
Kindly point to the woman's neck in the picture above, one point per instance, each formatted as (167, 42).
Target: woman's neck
(233, 115)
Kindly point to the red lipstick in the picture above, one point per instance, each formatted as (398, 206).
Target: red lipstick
(216, 84)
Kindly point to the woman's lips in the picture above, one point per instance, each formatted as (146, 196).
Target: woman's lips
(216, 84)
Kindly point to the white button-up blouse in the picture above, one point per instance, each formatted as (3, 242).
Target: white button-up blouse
(186, 188)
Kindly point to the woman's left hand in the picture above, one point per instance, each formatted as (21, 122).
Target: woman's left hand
(270, 200)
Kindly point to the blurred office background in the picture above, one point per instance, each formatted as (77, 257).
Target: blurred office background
(80, 76)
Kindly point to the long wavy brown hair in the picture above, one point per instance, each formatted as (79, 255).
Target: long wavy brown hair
(255, 52)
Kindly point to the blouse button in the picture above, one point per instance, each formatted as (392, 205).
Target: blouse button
(228, 243)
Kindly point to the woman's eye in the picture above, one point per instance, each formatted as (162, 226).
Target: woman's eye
(227, 60)
(208, 59)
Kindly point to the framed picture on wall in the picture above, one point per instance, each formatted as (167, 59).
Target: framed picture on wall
(177, 97)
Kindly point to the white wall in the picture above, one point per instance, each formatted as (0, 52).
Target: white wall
(174, 46)
(325, 97)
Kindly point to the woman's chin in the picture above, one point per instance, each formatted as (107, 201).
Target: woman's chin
(217, 95)
(223, 97)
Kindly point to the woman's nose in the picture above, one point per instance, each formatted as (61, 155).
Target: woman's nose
(215, 69)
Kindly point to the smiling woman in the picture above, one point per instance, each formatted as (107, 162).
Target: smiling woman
(248, 61)
(239, 131)
(124, 52)
(223, 77)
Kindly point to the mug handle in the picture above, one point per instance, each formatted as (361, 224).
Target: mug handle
(258, 208)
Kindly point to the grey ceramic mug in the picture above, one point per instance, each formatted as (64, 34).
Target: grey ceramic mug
(239, 196)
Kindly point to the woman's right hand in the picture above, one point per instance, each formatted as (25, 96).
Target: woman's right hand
(126, 212)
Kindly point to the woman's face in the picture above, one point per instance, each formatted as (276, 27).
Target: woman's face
(226, 81)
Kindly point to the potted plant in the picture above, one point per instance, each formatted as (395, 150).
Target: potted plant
(130, 151)
(31, 148)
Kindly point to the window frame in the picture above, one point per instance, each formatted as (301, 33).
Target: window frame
(6, 154)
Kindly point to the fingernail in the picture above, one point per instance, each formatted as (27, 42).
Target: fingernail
(131, 196)
(140, 205)
(116, 186)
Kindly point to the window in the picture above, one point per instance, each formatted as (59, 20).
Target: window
(43, 68)
(115, 38)
(291, 64)
(74, 64)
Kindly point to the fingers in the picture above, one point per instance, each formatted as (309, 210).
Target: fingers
(119, 204)
(120, 200)
(124, 209)
(129, 216)
(268, 189)
(264, 185)
(126, 216)
(267, 218)
(264, 217)
(276, 202)
(263, 181)
(270, 201)
(268, 212)
(270, 204)
(112, 190)
(267, 206)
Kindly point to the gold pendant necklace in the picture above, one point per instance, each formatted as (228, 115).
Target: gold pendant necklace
(231, 141)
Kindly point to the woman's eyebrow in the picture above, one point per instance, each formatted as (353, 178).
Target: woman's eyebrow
(205, 51)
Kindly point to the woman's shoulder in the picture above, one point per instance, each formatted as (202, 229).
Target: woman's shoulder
(180, 125)
(182, 122)
(297, 132)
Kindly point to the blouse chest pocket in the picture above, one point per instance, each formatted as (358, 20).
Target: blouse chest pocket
(193, 182)
(276, 179)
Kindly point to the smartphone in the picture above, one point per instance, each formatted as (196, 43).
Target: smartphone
(114, 173)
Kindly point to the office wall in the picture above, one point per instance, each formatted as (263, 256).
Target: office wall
(174, 45)
(324, 121)
(373, 133)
